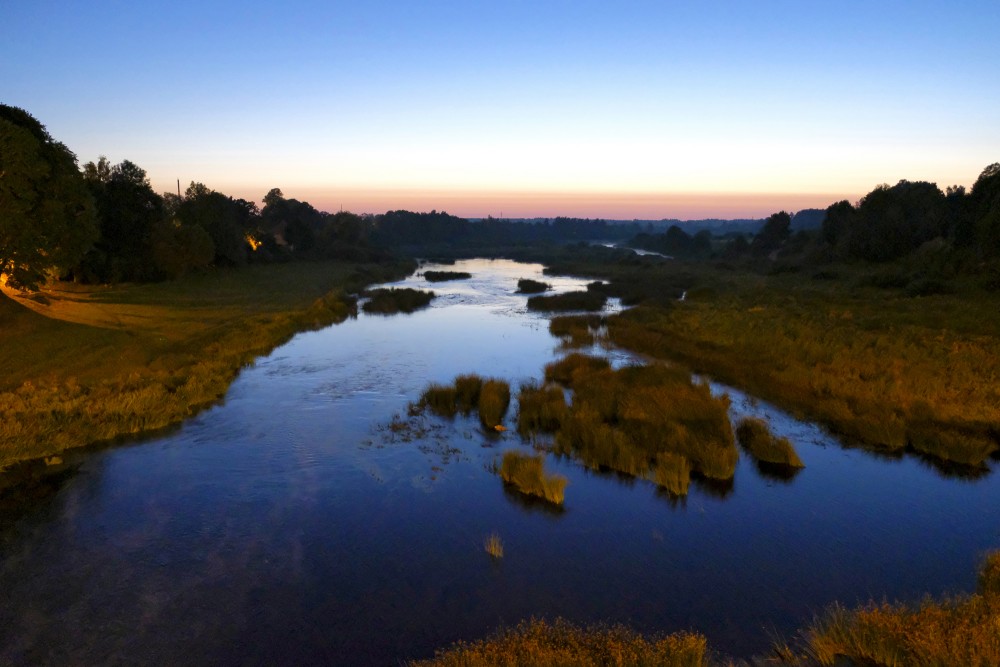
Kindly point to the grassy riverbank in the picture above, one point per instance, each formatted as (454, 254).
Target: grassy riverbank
(86, 364)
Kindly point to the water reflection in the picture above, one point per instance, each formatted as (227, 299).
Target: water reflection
(284, 526)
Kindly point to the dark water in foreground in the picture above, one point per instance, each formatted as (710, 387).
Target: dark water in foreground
(290, 526)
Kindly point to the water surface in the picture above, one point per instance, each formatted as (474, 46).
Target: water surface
(291, 525)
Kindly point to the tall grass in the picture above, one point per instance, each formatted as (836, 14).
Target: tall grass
(755, 436)
(529, 286)
(568, 301)
(493, 545)
(392, 300)
(527, 474)
(576, 330)
(494, 399)
(561, 644)
(467, 391)
(574, 366)
(540, 409)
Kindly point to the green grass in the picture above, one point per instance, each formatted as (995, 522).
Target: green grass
(755, 436)
(568, 301)
(529, 286)
(561, 644)
(442, 276)
(88, 364)
(526, 473)
(392, 300)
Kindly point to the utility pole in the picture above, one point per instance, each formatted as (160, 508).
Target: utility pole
(178, 188)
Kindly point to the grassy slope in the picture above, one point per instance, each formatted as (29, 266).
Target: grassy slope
(83, 364)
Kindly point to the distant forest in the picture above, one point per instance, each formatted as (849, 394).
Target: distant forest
(104, 223)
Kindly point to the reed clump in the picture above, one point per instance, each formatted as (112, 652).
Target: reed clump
(568, 301)
(392, 300)
(443, 276)
(526, 473)
(529, 286)
(540, 409)
(562, 644)
(650, 422)
(755, 436)
(576, 330)
(494, 399)
(468, 393)
(493, 545)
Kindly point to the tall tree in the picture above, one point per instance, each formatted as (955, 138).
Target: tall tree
(47, 216)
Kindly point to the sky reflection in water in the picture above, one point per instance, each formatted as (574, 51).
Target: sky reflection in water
(290, 525)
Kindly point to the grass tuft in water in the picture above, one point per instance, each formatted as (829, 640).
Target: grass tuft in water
(494, 399)
(755, 436)
(467, 392)
(574, 366)
(440, 399)
(493, 545)
(527, 474)
(443, 276)
(389, 301)
(529, 286)
(562, 644)
(568, 301)
(575, 330)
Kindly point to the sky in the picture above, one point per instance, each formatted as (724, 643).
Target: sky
(595, 109)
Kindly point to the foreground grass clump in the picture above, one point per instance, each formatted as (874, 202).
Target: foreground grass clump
(756, 438)
(959, 631)
(529, 286)
(562, 644)
(568, 301)
(392, 300)
(527, 474)
(493, 545)
(576, 330)
(442, 276)
(84, 364)
(650, 422)
(494, 399)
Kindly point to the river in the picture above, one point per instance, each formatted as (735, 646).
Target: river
(291, 524)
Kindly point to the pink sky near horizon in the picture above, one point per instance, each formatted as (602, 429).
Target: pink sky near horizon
(510, 204)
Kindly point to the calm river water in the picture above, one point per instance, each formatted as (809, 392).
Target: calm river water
(290, 525)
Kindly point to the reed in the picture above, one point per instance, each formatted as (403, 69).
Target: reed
(540, 409)
(443, 276)
(574, 367)
(494, 399)
(493, 545)
(440, 399)
(529, 286)
(527, 474)
(392, 300)
(568, 301)
(467, 391)
(562, 644)
(755, 436)
(575, 330)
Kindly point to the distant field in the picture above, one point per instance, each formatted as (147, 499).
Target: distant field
(88, 363)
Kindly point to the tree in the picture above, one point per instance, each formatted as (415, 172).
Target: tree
(46, 213)
(775, 231)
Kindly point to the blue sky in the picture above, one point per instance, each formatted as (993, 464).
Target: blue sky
(667, 109)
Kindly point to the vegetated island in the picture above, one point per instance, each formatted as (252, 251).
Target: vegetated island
(529, 286)
(444, 276)
(392, 300)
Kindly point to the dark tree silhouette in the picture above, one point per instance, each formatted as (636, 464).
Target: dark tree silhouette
(47, 218)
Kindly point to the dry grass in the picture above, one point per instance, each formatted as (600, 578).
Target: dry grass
(493, 545)
(494, 399)
(540, 409)
(86, 364)
(575, 330)
(527, 474)
(561, 644)
(568, 301)
(755, 436)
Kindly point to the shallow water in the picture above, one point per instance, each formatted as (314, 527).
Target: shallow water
(290, 524)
